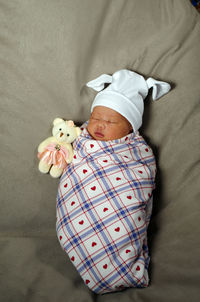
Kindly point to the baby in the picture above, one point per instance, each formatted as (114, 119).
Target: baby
(104, 197)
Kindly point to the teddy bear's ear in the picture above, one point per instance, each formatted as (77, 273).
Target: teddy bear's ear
(57, 121)
(70, 123)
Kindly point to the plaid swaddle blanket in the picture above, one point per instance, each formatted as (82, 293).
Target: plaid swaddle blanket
(103, 210)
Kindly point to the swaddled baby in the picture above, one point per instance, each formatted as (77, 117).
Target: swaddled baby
(104, 197)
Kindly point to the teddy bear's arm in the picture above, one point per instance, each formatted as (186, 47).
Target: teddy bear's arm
(45, 143)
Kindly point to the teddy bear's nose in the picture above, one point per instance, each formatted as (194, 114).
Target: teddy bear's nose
(61, 134)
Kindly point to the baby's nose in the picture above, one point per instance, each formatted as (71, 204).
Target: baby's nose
(101, 124)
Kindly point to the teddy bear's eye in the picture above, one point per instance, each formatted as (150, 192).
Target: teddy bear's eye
(68, 134)
(60, 129)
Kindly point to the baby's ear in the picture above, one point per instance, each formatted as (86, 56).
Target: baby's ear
(57, 121)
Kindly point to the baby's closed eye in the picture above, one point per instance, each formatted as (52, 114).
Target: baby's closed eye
(112, 122)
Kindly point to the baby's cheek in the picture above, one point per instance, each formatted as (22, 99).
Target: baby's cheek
(113, 133)
(89, 126)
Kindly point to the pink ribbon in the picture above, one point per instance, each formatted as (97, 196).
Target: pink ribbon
(55, 154)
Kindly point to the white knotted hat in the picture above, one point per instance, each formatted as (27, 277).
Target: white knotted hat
(126, 93)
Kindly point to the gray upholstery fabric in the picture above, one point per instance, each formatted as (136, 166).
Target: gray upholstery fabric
(48, 50)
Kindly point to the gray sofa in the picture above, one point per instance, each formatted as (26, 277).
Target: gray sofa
(48, 50)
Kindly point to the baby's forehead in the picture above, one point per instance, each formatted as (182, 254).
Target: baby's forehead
(103, 110)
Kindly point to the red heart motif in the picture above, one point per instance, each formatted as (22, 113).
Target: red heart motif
(60, 237)
(147, 150)
(128, 251)
(118, 178)
(105, 161)
(139, 218)
(129, 197)
(119, 286)
(84, 171)
(73, 202)
(72, 258)
(91, 145)
(65, 185)
(74, 156)
(140, 171)
(87, 281)
(93, 244)
(117, 229)
(105, 266)
(125, 156)
(138, 268)
(126, 138)
(105, 209)
(93, 188)
(81, 222)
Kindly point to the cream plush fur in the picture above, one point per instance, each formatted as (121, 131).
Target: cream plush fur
(64, 133)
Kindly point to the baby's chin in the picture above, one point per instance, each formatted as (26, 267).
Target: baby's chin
(103, 138)
(99, 136)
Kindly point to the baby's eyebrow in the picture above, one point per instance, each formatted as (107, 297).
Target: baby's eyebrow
(96, 115)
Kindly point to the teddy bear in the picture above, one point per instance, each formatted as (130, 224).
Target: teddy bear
(56, 151)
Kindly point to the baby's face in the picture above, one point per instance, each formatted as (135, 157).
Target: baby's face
(107, 124)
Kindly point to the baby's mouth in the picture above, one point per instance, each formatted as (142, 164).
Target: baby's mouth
(99, 134)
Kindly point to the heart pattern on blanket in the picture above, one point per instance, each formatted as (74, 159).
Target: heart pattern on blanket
(87, 281)
(60, 237)
(105, 209)
(91, 146)
(72, 258)
(66, 185)
(119, 286)
(128, 251)
(93, 188)
(81, 222)
(138, 268)
(117, 229)
(118, 178)
(129, 197)
(72, 203)
(94, 244)
(84, 171)
(105, 266)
